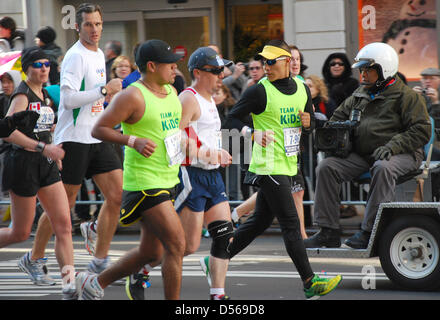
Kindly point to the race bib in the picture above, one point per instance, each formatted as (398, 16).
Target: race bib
(97, 107)
(291, 141)
(46, 119)
(174, 150)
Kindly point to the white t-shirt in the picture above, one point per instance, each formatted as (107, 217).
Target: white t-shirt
(81, 101)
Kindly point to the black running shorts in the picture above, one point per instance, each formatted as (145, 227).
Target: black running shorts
(297, 181)
(25, 172)
(136, 202)
(85, 160)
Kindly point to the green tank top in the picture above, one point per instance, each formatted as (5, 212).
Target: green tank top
(282, 116)
(159, 123)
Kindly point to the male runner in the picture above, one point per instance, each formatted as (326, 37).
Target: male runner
(83, 90)
(150, 113)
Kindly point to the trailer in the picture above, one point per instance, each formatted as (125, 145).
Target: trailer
(405, 236)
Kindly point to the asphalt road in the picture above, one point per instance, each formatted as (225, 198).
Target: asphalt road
(262, 272)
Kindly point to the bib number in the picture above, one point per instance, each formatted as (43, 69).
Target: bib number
(291, 141)
(174, 151)
(46, 119)
(97, 107)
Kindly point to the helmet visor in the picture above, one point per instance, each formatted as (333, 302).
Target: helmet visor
(363, 63)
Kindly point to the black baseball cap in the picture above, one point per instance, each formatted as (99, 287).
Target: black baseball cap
(206, 56)
(157, 51)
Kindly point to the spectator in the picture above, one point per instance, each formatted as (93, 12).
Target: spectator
(338, 77)
(112, 49)
(256, 72)
(121, 67)
(10, 80)
(430, 85)
(297, 66)
(14, 38)
(45, 40)
(321, 101)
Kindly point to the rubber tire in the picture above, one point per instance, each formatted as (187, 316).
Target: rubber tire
(428, 224)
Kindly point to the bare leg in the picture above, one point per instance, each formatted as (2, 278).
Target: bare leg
(42, 236)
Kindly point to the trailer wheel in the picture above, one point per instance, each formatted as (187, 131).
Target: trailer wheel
(409, 251)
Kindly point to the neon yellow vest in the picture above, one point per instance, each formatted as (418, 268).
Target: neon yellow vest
(160, 120)
(282, 113)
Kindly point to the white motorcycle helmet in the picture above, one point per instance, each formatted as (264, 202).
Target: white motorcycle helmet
(379, 55)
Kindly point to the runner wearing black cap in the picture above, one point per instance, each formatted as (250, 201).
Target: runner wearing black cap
(150, 112)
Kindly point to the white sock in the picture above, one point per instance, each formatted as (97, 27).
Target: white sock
(146, 269)
(234, 215)
(217, 291)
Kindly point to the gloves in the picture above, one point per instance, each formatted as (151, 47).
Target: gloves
(382, 153)
(25, 119)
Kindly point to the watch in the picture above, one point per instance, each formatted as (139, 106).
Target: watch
(103, 91)
(40, 147)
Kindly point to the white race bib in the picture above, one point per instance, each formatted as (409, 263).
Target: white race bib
(174, 150)
(98, 107)
(46, 119)
(292, 137)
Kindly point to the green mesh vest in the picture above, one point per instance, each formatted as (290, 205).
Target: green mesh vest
(160, 121)
(281, 116)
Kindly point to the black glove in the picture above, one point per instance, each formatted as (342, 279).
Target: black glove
(382, 153)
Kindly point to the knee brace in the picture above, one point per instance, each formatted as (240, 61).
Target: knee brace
(221, 232)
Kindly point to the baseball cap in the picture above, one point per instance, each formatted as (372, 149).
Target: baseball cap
(206, 56)
(271, 52)
(430, 72)
(157, 51)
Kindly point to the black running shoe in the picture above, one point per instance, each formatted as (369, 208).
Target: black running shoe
(135, 285)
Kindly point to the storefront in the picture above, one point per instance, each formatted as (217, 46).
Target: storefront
(241, 27)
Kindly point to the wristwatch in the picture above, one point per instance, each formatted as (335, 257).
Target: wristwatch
(40, 147)
(103, 91)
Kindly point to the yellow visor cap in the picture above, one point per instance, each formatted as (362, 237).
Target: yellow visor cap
(272, 52)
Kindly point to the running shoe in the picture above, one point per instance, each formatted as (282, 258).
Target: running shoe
(36, 269)
(69, 292)
(321, 286)
(88, 287)
(136, 284)
(98, 265)
(204, 263)
(89, 236)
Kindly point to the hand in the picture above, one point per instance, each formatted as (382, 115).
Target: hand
(224, 158)
(145, 147)
(54, 152)
(25, 118)
(432, 94)
(238, 70)
(264, 138)
(382, 153)
(305, 119)
(114, 86)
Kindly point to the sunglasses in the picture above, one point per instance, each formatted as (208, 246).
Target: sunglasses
(39, 65)
(254, 68)
(332, 64)
(273, 61)
(215, 71)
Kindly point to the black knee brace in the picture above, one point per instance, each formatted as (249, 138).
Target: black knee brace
(221, 231)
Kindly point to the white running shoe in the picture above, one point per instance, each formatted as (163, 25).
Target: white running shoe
(89, 236)
(88, 287)
(204, 264)
(36, 269)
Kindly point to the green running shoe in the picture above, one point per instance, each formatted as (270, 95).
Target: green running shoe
(321, 286)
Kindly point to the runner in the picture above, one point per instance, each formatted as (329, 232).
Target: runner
(279, 105)
(150, 112)
(31, 171)
(202, 197)
(83, 90)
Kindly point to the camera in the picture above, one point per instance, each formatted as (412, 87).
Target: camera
(335, 138)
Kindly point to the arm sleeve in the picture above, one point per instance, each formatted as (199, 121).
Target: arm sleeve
(309, 108)
(253, 100)
(72, 76)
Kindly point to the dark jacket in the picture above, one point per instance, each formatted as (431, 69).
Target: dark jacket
(396, 117)
(53, 52)
(342, 87)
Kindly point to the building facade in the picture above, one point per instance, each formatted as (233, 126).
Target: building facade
(241, 27)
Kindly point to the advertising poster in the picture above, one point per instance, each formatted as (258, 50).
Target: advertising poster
(409, 26)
